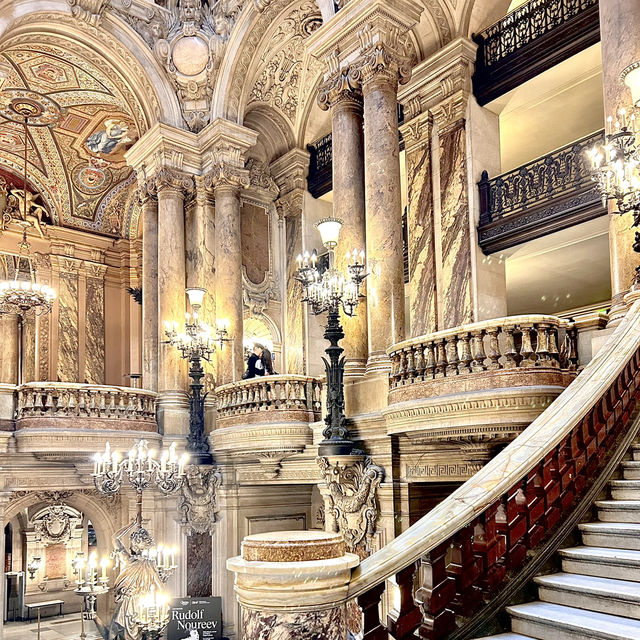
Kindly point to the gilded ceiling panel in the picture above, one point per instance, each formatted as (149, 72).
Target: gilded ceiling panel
(78, 166)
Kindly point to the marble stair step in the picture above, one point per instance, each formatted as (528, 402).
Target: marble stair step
(619, 510)
(545, 621)
(506, 636)
(631, 469)
(635, 451)
(615, 597)
(618, 564)
(625, 489)
(616, 535)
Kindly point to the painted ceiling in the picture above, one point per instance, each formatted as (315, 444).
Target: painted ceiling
(77, 166)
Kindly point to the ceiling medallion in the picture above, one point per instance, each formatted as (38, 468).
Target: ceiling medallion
(24, 106)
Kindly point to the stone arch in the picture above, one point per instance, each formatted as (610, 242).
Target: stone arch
(476, 15)
(275, 136)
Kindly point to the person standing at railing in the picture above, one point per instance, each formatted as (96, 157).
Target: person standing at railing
(255, 364)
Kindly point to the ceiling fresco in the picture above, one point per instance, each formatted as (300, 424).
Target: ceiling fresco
(76, 166)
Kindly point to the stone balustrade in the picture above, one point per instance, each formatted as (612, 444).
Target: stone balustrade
(292, 393)
(266, 419)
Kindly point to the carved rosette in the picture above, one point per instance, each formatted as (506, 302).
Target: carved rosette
(351, 486)
(199, 499)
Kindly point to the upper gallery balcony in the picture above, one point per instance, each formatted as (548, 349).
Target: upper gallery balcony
(68, 417)
(529, 40)
(545, 195)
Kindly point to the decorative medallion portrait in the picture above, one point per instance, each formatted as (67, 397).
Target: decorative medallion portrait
(112, 139)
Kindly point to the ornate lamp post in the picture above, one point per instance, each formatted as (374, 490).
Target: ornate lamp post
(330, 291)
(196, 344)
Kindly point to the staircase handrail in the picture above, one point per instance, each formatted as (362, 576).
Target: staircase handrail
(509, 467)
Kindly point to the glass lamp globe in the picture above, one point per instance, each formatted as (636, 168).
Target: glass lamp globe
(631, 77)
(329, 229)
(196, 296)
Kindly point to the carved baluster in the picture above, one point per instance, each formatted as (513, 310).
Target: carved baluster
(554, 353)
(465, 354)
(435, 595)
(493, 352)
(489, 547)
(542, 350)
(465, 568)
(527, 353)
(572, 348)
(477, 351)
(406, 619)
(317, 386)
(452, 356)
(418, 359)
(429, 361)
(72, 406)
(440, 357)
(48, 403)
(534, 507)
(411, 365)
(509, 352)
(277, 400)
(369, 602)
(396, 370)
(512, 523)
(404, 368)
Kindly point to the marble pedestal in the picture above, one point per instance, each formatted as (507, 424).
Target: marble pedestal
(288, 584)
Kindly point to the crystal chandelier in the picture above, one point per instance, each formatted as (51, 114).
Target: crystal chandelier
(151, 614)
(616, 163)
(21, 294)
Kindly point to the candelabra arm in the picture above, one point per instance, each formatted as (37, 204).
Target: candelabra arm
(336, 435)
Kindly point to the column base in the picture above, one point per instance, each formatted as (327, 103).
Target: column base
(172, 411)
(378, 362)
(355, 368)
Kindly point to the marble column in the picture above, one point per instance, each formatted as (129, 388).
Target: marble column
(385, 263)
(228, 253)
(29, 351)
(9, 352)
(340, 94)
(4, 502)
(420, 227)
(276, 603)
(290, 174)
(199, 564)
(173, 412)
(150, 324)
(94, 362)
(619, 25)
(200, 242)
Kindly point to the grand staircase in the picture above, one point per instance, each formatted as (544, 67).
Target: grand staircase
(597, 594)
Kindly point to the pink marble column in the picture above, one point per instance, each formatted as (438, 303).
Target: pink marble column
(346, 107)
(385, 286)
(228, 252)
(9, 351)
(173, 412)
(619, 27)
(150, 325)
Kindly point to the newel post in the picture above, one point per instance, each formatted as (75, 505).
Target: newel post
(290, 584)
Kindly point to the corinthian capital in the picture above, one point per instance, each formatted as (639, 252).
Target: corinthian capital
(223, 174)
(167, 179)
(340, 88)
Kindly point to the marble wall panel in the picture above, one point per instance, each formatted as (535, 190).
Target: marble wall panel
(422, 264)
(456, 302)
(94, 332)
(329, 624)
(68, 328)
(255, 242)
(294, 329)
(29, 350)
(199, 559)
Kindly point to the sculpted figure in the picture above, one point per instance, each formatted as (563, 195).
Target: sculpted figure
(199, 502)
(34, 211)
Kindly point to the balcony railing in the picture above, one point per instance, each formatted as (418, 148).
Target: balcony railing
(530, 40)
(548, 194)
(121, 408)
(274, 394)
(523, 342)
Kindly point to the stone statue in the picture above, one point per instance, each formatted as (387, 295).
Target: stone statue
(34, 212)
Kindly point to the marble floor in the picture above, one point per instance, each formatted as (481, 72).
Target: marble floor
(67, 628)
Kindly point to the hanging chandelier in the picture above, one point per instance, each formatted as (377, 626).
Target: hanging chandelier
(616, 163)
(21, 293)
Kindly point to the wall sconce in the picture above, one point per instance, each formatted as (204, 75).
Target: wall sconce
(34, 566)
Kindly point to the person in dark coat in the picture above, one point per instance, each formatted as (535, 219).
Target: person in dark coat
(255, 365)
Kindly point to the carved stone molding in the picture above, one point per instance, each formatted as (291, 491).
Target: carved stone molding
(256, 296)
(351, 484)
(167, 179)
(223, 174)
(199, 499)
(340, 89)
(56, 523)
(260, 177)
(89, 11)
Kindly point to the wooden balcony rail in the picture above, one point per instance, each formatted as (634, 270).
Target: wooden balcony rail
(502, 343)
(71, 400)
(548, 194)
(456, 566)
(270, 393)
(529, 40)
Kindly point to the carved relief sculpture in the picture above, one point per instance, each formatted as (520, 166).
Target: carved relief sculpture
(199, 501)
(352, 500)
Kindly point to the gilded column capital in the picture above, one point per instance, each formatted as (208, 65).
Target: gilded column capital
(147, 189)
(94, 270)
(340, 91)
